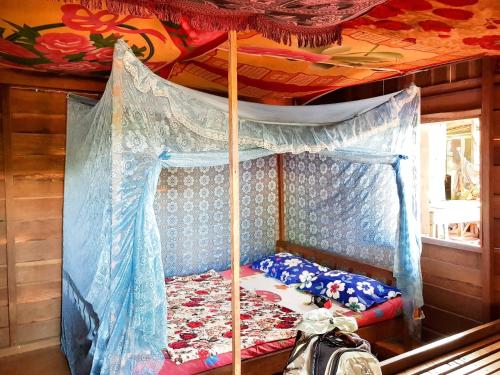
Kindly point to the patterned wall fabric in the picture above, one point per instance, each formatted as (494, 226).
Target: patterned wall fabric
(192, 209)
(348, 208)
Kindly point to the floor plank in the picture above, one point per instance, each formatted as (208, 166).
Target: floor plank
(44, 361)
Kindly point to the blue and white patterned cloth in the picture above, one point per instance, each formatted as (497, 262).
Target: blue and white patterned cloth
(192, 210)
(289, 268)
(356, 292)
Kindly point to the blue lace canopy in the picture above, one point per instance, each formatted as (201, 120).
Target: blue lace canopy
(350, 183)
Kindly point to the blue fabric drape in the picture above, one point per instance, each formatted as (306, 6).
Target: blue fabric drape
(114, 306)
(409, 277)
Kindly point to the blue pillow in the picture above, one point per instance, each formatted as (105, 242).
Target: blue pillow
(288, 268)
(356, 292)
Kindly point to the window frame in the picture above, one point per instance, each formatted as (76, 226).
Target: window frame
(453, 116)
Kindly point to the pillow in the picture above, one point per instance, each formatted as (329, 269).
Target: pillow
(356, 292)
(288, 268)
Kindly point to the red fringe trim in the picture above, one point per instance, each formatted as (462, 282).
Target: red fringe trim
(207, 19)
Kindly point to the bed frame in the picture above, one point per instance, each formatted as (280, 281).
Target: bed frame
(274, 363)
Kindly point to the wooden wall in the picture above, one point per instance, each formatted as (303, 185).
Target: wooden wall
(4, 296)
(495, 192)
(452, 290)
(461, 283)
(33, 152)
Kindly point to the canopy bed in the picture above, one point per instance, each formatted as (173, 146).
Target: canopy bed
(268, 352)
(344, 181)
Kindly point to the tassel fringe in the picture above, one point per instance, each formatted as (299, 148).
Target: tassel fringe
(208, 19)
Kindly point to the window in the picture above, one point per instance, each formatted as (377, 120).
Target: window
(450, 181)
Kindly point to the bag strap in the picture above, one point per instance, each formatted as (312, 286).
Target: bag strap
(301, 350)
(305, 342)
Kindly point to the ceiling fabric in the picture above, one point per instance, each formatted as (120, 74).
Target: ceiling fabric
(393, 38)
(313, 22)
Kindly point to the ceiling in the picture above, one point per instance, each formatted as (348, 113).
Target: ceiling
(393, 38)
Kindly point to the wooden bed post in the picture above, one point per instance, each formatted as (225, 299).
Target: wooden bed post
(234, 187)
(281, 198)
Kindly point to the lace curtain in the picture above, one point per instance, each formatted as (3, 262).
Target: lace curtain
(349, 208)
(192, 209)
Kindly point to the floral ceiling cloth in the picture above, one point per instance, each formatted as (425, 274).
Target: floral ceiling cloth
(393, 38)
(314, 22)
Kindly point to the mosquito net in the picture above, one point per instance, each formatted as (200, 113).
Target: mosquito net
(350, 174)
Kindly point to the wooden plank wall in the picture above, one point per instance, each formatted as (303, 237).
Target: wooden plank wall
(33, 154)
(37, 138)
(4, 299)
(495, 191)
(452, 290)
(454, 276)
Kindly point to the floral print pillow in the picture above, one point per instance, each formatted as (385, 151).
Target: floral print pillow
(356, 292)
(289, 268)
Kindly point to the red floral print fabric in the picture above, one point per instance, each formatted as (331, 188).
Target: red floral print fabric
(199, 318)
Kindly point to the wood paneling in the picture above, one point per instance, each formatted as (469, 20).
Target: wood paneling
(458, 303)
(38, 144)
(38, 166)
(33, 153)
(38, 291)
(39, 123)
(3, 297)
(38, 272)
(4, 316)
(30, 251)
(38, 229)
(39, 102)
(38, 311)
(3, 277)
(37, 153)
(452, 288)
(33, 209)
(36, 188)
(4, 337)
(39, 80)
(38, 330)
(468, 77)
(446, 322)
(451, 271)
(7, 226)
(494, 185)
(452, 102)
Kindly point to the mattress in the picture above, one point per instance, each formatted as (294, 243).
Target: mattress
(200, 308)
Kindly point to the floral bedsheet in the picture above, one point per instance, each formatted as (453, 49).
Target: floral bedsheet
(199, 316)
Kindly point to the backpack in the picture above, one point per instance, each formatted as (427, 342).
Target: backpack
(333, 352)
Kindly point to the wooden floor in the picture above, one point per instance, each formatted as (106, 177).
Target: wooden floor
(482, 357)
(49, 361)
(475, 351)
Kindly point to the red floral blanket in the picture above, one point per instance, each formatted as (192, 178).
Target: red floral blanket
(199, 317)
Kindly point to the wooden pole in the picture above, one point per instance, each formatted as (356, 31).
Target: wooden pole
(234, 187)
(281, 198)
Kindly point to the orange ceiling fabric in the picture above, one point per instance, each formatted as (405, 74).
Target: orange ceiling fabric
(312, 22)
(393, 38)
